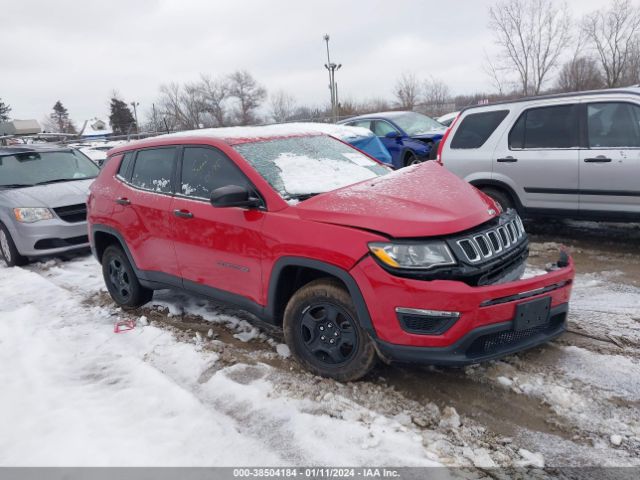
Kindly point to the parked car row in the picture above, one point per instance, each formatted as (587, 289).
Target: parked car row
(301, 225)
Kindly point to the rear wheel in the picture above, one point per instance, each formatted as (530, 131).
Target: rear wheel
(503, 198)
(322, 330)
(121, 280)
(8, 249)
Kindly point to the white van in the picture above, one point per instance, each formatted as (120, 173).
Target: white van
(575, 155)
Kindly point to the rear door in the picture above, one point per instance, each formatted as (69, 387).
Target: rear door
(610, 165)
(142, 209)
(217, 248)
(539, 158)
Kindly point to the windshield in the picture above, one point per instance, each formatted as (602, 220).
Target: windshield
(304, 166)
(417, 124)
(35, 168)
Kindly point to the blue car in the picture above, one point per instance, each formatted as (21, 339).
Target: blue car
(410, 137)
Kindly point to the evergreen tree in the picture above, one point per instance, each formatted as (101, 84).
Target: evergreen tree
(60, 119)
(4, 111)
(121, 118)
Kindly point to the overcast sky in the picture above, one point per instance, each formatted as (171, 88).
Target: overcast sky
(80, 51)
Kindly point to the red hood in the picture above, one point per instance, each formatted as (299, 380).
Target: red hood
(421, 201)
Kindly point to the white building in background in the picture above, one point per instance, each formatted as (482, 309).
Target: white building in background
(95, 128)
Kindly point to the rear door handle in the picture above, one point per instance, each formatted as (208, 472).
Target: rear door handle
(183, 213)
(123, 201)
(598, 159)
(507, 160)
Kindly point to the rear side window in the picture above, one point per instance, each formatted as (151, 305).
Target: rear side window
(153, 169)
(205, 169)
(476, 128)
(125, 165)
(613, 125)
(546, 127)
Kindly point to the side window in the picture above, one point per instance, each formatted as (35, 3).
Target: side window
(361, 123)
(205, 169)
(381, 128)
(476, 128)
(546, 127)
(613, 125)
(153, 169)
(125, 164)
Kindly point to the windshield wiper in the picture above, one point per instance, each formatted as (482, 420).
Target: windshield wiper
(60, 180)
(17, 185)
(304, 196)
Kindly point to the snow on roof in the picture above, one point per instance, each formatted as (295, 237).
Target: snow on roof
(95, 128)
(278, 130)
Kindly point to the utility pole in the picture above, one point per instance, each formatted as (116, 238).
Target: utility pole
(135, 115)
(333, 87)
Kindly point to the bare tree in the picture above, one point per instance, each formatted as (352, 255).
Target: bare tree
(181, 106)
(282, 106)
(435, 96)
(249, 94)
(214, 95)
(531, 34)
(578, 74)
(613, 33)
(407, 91)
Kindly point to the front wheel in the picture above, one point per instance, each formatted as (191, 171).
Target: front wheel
(121, 280)
(411, 159)
(8, 249)
(322, 330)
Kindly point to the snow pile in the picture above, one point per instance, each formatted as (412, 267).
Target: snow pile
(303, 175)
(75, 393)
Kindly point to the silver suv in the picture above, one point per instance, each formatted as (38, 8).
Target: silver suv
(43, 193)
(575, 155)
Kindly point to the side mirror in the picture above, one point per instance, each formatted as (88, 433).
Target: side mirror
(234, 196)
(392, 135)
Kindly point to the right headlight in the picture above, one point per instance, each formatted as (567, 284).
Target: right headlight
(423, 255)
(31, 215)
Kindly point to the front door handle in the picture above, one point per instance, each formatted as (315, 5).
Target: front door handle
(183, 213)
(123, 201)
(598, 159)
(508, 159)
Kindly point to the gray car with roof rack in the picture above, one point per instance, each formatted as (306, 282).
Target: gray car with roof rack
(570, 155)
(43, 193)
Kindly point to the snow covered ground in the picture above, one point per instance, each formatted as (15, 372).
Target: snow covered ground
(195, 384)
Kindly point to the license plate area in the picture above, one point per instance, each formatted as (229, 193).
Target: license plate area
(533, 313)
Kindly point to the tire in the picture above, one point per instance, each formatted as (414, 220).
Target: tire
(121, 280)
(433, 153)
(503, 198)
(322, 331)
(8, 250)
(411, 158)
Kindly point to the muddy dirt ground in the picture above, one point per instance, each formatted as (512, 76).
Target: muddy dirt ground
(573, 402)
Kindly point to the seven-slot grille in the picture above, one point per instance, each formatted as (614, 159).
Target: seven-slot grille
(72, 213)
(484, 245)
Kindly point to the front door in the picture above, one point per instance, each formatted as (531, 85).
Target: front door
(218, 248)
(539, 158)
(610, 165)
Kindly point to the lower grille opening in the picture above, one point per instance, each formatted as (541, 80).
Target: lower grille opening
(495, 342)
(49, 243)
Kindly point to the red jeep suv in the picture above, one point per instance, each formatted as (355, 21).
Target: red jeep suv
(353, 261)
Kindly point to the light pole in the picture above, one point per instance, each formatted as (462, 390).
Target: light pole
(333, 88)
(135, 115)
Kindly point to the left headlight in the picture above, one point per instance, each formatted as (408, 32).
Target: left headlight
(30, 215)
(413, 255)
